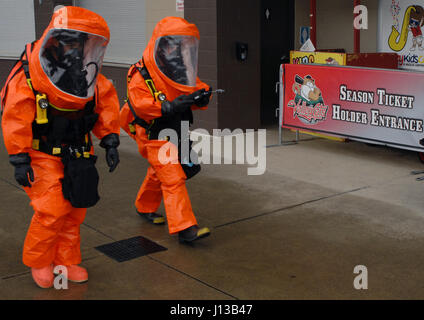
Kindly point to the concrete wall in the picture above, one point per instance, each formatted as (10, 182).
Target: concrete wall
(301, 9)
(221, 23)
(335, 24)
(157, 10)
(239, 107)
(204, 14)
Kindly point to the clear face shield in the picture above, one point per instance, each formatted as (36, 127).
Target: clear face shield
(176, 57)
(72, 60)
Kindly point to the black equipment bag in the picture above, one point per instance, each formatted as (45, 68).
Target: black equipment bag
(190, 169)
(81, 180)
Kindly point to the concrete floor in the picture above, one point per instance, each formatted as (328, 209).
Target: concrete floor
(296, 232)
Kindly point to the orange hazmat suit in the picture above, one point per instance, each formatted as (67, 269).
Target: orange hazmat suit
(162, 180)
(54, 234)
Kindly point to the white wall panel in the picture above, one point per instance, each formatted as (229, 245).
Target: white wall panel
(127, 23)
(17, 26)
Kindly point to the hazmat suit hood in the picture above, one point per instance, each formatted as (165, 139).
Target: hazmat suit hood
(66, 60)
(172, 54)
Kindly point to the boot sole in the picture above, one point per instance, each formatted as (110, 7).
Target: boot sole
(75, 281)
(78, 281)
(40, 286)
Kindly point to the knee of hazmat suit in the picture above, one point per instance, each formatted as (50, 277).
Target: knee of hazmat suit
(63, 68)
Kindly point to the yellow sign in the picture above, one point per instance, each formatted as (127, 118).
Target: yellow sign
(331, 58)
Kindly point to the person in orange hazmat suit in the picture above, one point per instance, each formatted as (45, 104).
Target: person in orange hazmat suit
(163, 89)
(53, 98)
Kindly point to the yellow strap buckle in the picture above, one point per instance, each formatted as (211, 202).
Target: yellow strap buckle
(151, 86)
(57, 151)
(132, 128)
(30, 83)
(36, 144)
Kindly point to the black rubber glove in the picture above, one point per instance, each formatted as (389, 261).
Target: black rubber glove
(179, 104)
(112, 158)
(23, 170)
(201, 97)
(110, 143)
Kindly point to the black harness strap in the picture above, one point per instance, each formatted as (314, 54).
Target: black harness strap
(148, 79)
(144, 72)
(137, 119)
(149, 82)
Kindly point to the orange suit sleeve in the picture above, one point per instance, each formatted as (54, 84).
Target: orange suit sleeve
(125, 117)
(18, 115)
(107, 107)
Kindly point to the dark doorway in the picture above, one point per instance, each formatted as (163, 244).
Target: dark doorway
(277, 39)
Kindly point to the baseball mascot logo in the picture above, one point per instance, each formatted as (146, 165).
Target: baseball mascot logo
(308, 104)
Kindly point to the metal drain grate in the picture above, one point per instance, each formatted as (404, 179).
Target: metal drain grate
(129, 249)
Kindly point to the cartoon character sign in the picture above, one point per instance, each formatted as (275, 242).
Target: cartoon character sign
(413, 20)
(400, 30)
(332, 61)
(308, 104)
(416, 21)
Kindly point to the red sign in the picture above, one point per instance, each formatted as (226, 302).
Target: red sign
(376, 105)
(180, 5)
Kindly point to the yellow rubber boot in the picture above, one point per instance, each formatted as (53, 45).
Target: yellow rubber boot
(193, 233)
(152, 217)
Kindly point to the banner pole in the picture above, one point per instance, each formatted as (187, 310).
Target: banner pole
(282, 93)
(280, 111)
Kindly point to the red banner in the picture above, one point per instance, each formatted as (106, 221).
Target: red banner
(376, 105)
